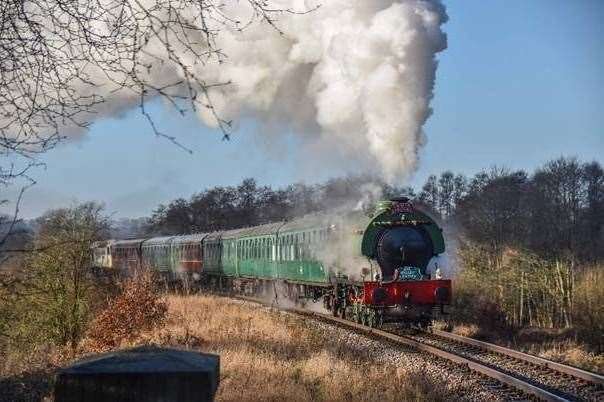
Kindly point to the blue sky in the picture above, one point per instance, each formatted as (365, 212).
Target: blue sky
(522, 82)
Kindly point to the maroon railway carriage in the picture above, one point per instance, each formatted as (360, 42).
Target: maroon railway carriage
(187, 252)
(126, 255)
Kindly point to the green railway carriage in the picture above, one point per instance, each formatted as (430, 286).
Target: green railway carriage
(157, 254)
(322, 248)
(313, 249)
(300, 244)
(255, 250)
(317, 249)
(213, 264)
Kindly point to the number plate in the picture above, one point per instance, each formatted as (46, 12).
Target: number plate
(409, 274)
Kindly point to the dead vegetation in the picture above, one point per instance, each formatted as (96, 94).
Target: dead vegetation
(268, 355)
(265, 355)
(138, 307)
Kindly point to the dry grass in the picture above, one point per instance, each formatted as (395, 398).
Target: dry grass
(571, 353)
(273, 356)
(265, 355)
(564, 350)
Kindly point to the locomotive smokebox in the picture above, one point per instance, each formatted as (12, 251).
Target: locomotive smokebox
(403, 246)
(402, 240)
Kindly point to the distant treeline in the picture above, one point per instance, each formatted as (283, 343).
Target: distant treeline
(556, 211)
(249, 204)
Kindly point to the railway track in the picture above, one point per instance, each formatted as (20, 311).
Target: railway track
(516, 374)
(566, 382)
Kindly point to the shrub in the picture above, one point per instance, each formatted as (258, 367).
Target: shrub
(54, 297)
(138, 307)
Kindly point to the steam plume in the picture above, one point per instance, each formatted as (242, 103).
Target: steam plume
(360, 72)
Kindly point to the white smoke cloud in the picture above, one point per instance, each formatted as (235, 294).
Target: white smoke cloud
(354, 78)
(363, 72)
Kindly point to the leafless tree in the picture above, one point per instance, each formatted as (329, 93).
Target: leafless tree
(62, 61)
(55, 54)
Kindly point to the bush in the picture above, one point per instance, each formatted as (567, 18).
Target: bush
(138, 307)
(52, 298)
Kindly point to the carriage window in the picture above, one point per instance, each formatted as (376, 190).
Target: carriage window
(281, 246)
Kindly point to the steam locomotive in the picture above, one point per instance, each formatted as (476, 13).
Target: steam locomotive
(370, 270)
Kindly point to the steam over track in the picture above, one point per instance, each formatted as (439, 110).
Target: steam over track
(513, 374)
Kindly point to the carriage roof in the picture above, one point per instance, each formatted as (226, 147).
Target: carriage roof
(127, 243)
(262, 230)
(190, 238)
(158, 241)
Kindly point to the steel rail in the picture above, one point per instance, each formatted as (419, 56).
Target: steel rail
(483, 369)
(562, 368)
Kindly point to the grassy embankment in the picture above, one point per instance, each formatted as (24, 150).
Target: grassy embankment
(265, 355)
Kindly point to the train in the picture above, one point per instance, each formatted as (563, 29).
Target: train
(371, 268)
